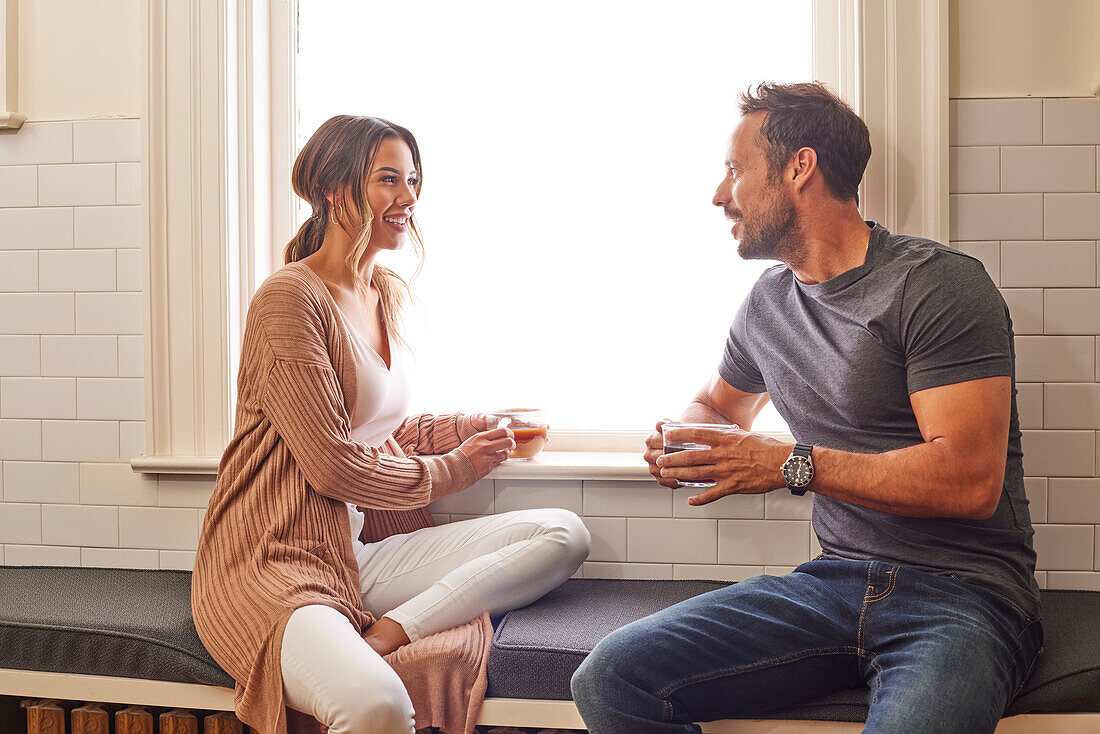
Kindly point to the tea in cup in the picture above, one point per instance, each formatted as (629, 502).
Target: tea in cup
(528, 426)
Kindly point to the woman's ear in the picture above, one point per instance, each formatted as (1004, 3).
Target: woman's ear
(339, 201)
(335, 200)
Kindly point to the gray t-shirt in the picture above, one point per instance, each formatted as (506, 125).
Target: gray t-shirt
(839, 360)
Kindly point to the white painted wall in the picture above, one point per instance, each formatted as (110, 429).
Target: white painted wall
(1024, 48)
(79, 60)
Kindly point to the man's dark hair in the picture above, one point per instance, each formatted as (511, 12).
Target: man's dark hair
(808, 115)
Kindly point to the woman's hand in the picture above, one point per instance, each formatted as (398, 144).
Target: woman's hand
(481, 421)
(488, 449)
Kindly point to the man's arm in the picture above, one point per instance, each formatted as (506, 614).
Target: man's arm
(720, 402)
(957, 472)
(717, 402)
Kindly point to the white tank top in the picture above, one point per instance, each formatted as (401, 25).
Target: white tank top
(381, 402)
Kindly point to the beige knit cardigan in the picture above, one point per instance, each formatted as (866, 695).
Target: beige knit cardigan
(277, 536)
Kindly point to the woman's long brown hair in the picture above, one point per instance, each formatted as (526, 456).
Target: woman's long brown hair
(336, 158)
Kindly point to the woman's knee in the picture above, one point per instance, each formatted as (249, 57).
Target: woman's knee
(569, 531)
(384, 709)
(330, 673)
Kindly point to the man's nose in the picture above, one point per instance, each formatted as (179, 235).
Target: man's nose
(722, 195)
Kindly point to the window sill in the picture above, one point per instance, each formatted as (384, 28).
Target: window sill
(551, 464)
(548, 465)
(605, 465)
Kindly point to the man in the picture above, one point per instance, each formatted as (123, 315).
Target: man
(891, 360)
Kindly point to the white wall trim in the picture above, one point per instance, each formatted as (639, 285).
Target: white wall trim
(282, 75)
(838, 47)
(205, 187)
(888, 59)
(905, 104)
(9, 63)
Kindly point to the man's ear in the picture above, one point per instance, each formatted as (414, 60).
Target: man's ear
(803, 166)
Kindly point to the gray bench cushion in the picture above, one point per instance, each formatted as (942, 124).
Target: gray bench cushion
(137, 624)
(132, 624)
(536, 649)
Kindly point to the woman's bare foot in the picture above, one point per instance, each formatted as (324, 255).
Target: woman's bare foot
(385, 636)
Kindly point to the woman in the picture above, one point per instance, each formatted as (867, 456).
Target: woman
(317, 554)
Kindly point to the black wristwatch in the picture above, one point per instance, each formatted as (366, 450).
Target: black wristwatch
(798, 469)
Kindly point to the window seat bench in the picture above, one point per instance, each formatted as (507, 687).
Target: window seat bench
(126, 637)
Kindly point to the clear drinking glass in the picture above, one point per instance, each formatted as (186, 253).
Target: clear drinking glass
(529, 427)
(671, 447)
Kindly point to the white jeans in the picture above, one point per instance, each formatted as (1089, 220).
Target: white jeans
(426, 581)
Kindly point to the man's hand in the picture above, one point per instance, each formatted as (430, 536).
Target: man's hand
(655, 447)
(739, 462)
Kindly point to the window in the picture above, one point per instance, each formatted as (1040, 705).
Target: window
(574, 260)
(218, 137)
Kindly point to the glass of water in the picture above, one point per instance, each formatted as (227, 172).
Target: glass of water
(671, 447)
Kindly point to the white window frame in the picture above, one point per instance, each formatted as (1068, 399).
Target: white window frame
(218, 137)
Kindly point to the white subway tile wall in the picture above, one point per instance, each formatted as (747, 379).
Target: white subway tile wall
(18, 186)
(1071, 122)
(1072, 311)
(18, 271)
(1045, 168)
(975, 170)
(1036, 490)
(660, 540)
(78, 184)
(1029, 404)
(608, 538)
(77, 270)
(43, 228)
(988, 252)
(20, 355)
(50, 142)
(106, 226)
(1025, 185)
(1049, 156)
(1026, 307)
(978, 122)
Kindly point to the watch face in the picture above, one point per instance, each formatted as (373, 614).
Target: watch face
(798, 471)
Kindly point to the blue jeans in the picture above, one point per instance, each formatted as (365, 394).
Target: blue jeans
(938, 654)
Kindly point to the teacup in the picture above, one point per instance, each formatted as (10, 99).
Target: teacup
(529, 427)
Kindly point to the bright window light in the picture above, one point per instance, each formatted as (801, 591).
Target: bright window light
(571, 150)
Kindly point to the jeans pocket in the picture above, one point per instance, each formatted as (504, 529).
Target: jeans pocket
(1026, 617)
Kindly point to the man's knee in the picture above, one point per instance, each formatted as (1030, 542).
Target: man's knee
(608, 665)
(589, 682)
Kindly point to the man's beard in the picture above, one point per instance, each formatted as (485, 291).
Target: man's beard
(774, 235)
